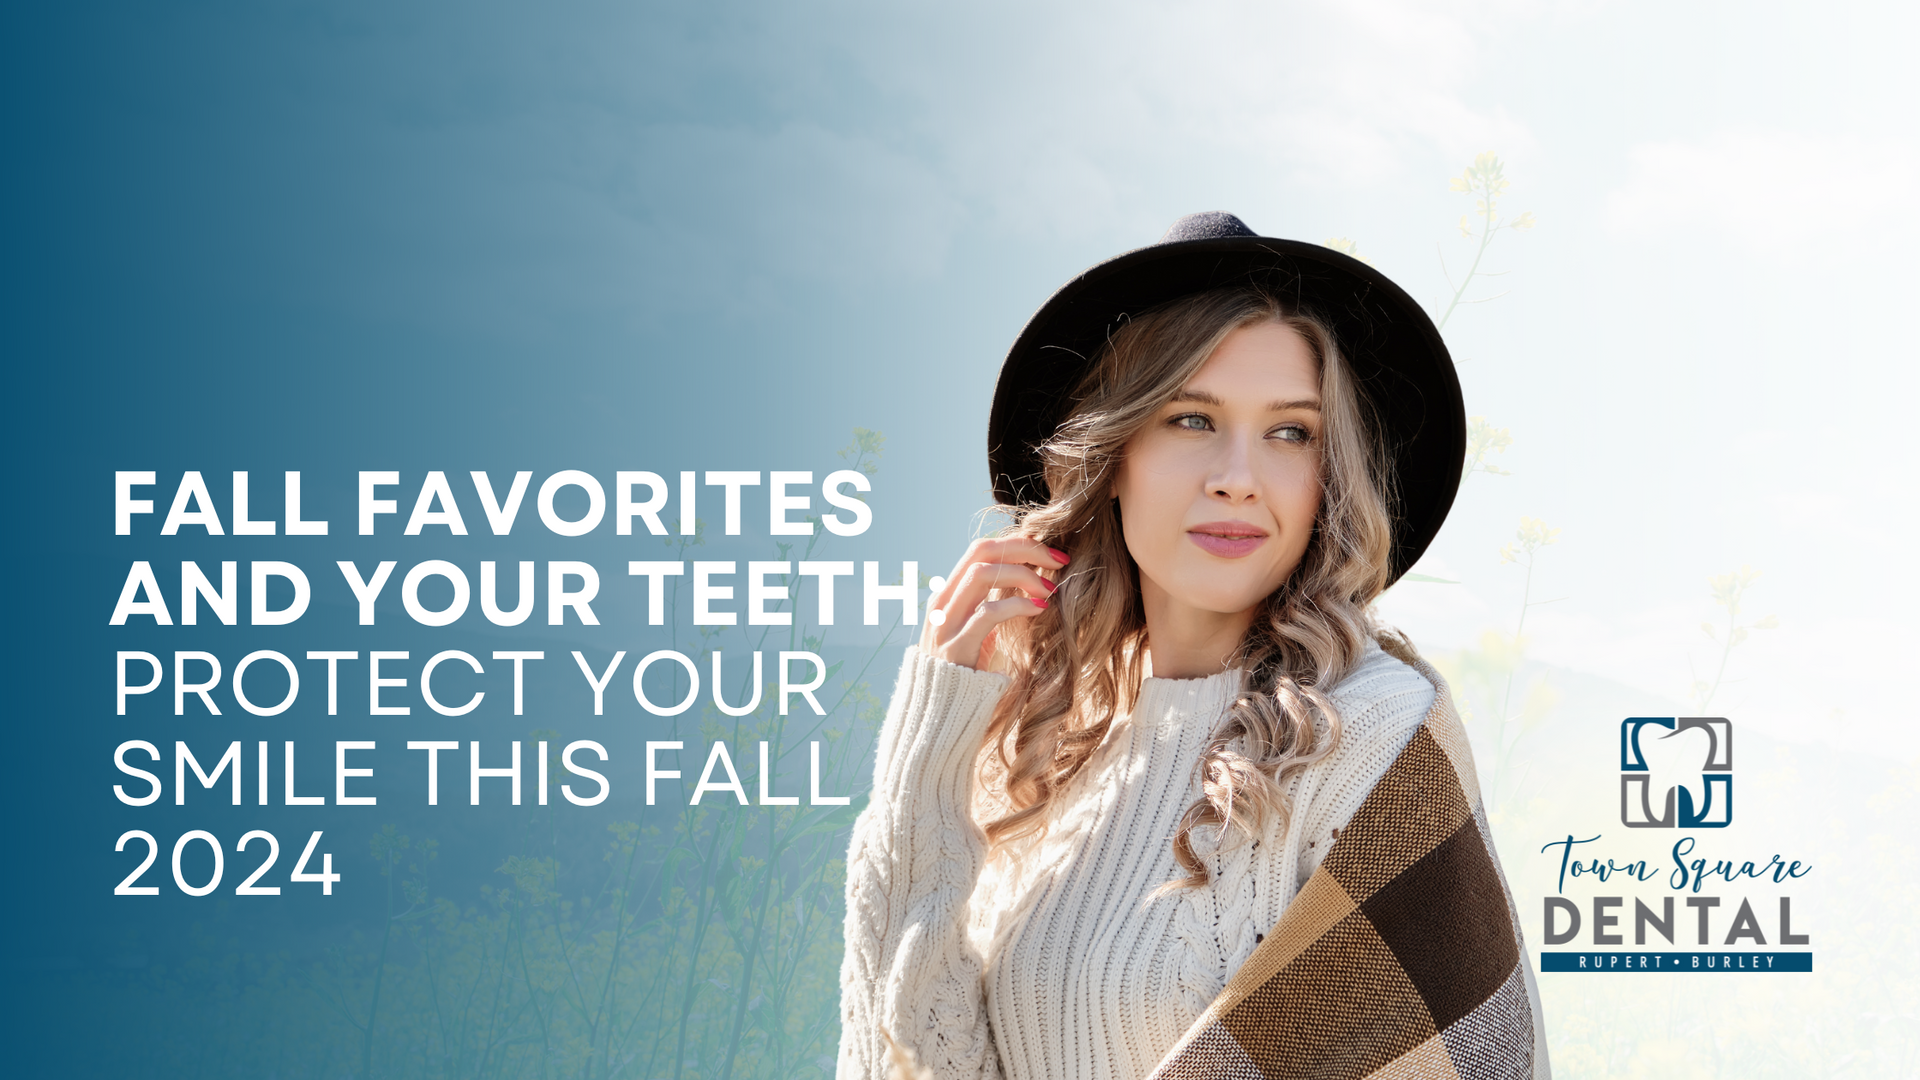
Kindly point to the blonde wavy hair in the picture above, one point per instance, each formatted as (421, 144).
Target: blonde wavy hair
(1077, 667)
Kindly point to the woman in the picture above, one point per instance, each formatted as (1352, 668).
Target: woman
(1154, 726)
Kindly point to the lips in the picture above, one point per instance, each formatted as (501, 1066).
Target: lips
(1228, 539)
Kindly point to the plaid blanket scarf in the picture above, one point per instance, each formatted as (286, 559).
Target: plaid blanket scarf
(1402, 954)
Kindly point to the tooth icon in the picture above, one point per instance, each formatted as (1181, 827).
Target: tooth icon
(1680, 777)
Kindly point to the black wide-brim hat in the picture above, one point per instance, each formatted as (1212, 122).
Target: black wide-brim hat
(1392, 348)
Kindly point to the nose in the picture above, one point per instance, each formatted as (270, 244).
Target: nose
(1231, 477)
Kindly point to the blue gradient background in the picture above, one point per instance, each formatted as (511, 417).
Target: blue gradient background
(344, 236)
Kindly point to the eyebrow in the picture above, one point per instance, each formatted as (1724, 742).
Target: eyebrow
(1204, 398)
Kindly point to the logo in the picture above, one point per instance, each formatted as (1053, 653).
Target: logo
(1692, 756)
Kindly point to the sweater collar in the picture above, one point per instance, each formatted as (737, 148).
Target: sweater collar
(1206, 699)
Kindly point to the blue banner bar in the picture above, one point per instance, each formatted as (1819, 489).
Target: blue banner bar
(1676, 961)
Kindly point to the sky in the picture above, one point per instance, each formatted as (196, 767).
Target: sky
(723, 235)
(700, 232)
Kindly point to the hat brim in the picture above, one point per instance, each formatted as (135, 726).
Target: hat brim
(1394, 351)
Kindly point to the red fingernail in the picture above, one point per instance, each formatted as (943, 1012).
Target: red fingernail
(1039, 603)
(1050, 585)
(1060, 555)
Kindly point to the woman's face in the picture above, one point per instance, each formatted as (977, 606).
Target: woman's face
(1219, 492)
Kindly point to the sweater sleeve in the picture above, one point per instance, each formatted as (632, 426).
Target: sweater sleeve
(910, 974)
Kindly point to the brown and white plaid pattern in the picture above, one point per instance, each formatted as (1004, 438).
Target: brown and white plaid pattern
(1400, 957)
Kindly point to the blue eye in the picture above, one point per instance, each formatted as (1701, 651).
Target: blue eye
(1292, 433)
(1192, 422)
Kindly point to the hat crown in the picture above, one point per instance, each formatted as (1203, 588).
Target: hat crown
(1212, 225)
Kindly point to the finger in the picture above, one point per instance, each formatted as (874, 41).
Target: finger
(1019, 549)
(1001, 549)
(931, 633)
(958, 595)
(979, 580)
(968, 647)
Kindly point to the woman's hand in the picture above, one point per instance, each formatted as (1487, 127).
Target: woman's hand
(960, 618)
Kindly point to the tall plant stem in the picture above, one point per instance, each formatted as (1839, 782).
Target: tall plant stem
(693, 958)
(1526, 602)
(752, 952)
(1726, 650)
(1506, 699)
(1486, 238)
(379, 971)
(603, 1016)
(433, 992)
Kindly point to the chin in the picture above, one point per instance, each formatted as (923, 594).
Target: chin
(1224, 602)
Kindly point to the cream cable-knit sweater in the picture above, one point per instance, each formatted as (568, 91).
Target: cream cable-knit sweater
(1060, 963)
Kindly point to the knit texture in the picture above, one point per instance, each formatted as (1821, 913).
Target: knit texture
(1401, 956)
(1060, 962)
